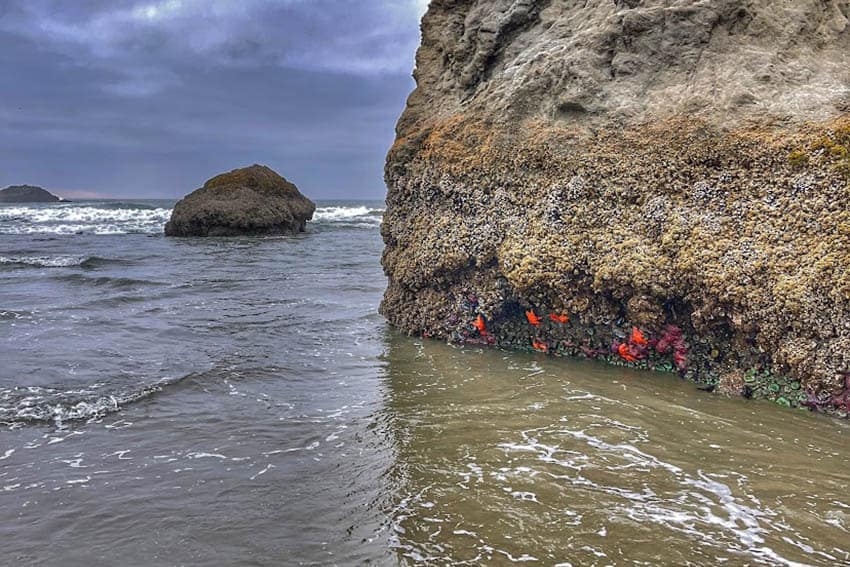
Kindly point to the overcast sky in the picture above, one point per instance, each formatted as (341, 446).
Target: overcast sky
(151, 98)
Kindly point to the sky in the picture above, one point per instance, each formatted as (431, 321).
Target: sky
(130, 98)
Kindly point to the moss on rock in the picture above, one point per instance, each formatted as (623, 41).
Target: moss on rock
(249, 201)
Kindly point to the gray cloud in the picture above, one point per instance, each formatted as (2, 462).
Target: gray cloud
(150, 98)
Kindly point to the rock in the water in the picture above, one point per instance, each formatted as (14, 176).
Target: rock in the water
(250, 201)
(661, 164)
(26, 194)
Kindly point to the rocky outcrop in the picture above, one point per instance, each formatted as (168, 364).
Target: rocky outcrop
(658, 183)
(250, 201)
(26, 194)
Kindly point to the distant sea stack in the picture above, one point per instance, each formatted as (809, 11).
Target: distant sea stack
(654, 183)
(26, 194)
(250, 201)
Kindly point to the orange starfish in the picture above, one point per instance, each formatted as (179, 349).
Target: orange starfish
(532, 318)
(638, 338)
(563, 319)
(625, 354)
(541, 347)
(480, 324)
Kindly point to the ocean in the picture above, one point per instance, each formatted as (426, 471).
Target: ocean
(240, 401)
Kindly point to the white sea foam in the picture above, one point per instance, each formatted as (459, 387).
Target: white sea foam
(87, 215)
(43, 261)
(89, 219)
(47, 405)
(363, 215)
(82, 219)
(702, 507)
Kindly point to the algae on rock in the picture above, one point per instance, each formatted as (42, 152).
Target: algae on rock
(649, 164)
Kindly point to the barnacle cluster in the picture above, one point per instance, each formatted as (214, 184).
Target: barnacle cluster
(676, 223)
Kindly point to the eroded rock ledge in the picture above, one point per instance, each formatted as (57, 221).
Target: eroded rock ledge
(661, 183)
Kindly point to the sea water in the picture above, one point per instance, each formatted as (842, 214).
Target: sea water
(240, 401)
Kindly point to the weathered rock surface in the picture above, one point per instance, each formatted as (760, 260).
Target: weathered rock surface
(678, 166)
(26, 194)
(250, 201)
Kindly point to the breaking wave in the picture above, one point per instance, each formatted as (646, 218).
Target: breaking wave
(106, 218)
(350, 215)
(110, 218)
(43, 261)
(34, 405)
(56, 261)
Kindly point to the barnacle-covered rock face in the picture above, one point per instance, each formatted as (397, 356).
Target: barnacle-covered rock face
(634, 163)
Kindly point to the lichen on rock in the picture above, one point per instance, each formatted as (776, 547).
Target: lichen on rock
(632, 164)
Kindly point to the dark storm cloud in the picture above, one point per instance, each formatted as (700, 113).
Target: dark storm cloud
(151, 98)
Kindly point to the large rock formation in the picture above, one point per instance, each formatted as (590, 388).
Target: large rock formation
(681, 167)
(26, 194)
(250, 201)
